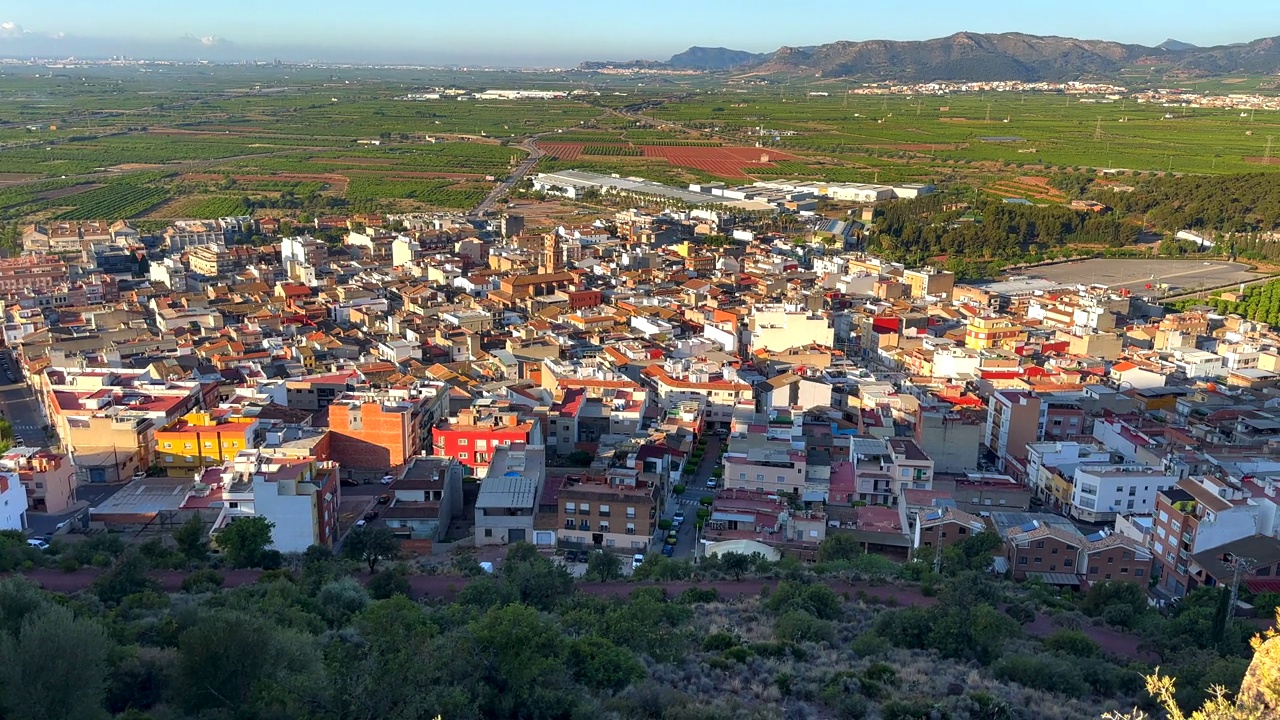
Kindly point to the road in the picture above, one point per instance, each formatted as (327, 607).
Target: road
(689, 502)
(18, 405)
(535, 154)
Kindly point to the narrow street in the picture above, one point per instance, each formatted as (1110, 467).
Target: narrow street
(690, 501)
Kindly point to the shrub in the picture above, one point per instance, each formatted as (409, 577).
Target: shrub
(664, 524)
(388, 584)
(1040, 673)
(1072, 642)
(800, 626)
(719, 642)
(699, 595)
(678, 490)
(202, 581)
(738, 654)
(706, 501)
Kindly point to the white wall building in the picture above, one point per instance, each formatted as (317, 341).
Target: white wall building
(13, 502)
(1103, 491)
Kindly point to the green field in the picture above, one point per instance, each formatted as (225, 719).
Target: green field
(299, 131)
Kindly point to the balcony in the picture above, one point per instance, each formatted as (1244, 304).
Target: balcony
(584, 527)
(603, 513)
(631, 531)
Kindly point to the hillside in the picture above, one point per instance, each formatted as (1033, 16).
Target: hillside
(983, 56)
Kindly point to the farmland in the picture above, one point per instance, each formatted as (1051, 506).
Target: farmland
(330, 140)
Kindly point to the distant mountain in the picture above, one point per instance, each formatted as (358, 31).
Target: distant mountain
(702, 58)
(982, 56)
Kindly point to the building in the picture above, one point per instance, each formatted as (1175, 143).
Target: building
(929, 282)
(476, 433)
(1102, 491)
(508, 498)
(1044, 549)
(380, 430)
(299, 495)
(48, 477)
(31, 272)
(778, 328)
(1014, 421)
(987, 333)
(425, 499)
(201, 440)
(1199, 514)
(13, 502)
(940, 527)
(616, 512)
(1113, 557)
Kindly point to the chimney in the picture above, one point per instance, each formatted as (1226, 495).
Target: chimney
(1269, 488)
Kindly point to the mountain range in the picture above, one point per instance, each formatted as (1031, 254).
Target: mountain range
(978, 57)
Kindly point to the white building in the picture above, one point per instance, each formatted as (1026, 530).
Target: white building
(1103, 491)
(1064, 456)
(13, 502)
(777, 328)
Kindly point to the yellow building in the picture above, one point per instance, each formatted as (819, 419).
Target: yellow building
(199, 440)
(986, 333)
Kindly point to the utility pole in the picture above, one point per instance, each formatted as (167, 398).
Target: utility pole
(1267, 155)
(1097, 129)
(988, 112)
(1239, 566)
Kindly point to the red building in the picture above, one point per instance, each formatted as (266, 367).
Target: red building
(472, 436)
(585, 299)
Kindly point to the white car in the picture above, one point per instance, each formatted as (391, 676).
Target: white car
(38, 544)
(388, 479)
(636, 561)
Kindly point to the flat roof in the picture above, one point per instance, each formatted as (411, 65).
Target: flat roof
(147, 496)
(507, 491)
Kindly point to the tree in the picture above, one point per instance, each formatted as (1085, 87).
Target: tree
(227, 654)
(371, 545)
(192, 540)
(245, 541)
(735, 564)
(523, 673)
(601, 665)
(838, 547)
(604, 565)
(127, 577)
(56, 667)
(536, 580)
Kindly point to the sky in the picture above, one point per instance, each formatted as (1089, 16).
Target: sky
(551, 33)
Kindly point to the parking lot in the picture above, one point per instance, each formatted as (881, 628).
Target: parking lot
(1135, 275)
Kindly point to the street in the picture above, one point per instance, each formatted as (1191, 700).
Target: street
(505, 187)
(689, 502)
(18, 405)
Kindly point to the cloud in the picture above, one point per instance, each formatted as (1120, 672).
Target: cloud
(206, 40)
(10, 29)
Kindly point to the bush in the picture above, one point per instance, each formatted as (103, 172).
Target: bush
(1040, 673)
(664, 524)
(706, 501)
(800, 626)
(719, 642)
(699, 595)
(1072, 642)
(388, 584)
(202, 581)
(678, 490)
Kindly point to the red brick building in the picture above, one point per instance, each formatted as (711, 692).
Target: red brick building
(1114, 558)
(585, 299)
(370, 432)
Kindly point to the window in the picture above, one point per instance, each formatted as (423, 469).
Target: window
(906, 472)
(962, 531)
(463, 441)
(781, 479)
(168, 446)
(631, 513)
(1038, 560)
(1111, 560)
(208, 444)
(1260, 572)
(1068, 562)
(1139, 572)
(482, 444)
(759, 477)
(462, 456)
(1053, 551)
(1039, 544)
(1125, 555)
(1022, 560)
(1124, 571)
(742, 476)
(604, 511)
(570, 508)
(604, 527)
(1093, 571)
(488, 532)
(585, 508)
(40, 485)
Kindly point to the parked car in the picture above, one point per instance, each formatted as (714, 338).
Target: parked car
(38, 544)
(678, 518)
(668, 550)
(636, 561)
(349, 482)
(711, 485)
(384, 498)
(361, 523)
(388, 479)
(371, 516)
(574, 556)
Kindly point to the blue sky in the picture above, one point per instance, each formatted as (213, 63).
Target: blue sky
(562, 32)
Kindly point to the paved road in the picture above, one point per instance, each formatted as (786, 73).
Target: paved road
(689, 502)
(514, 178)
(18, 405)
